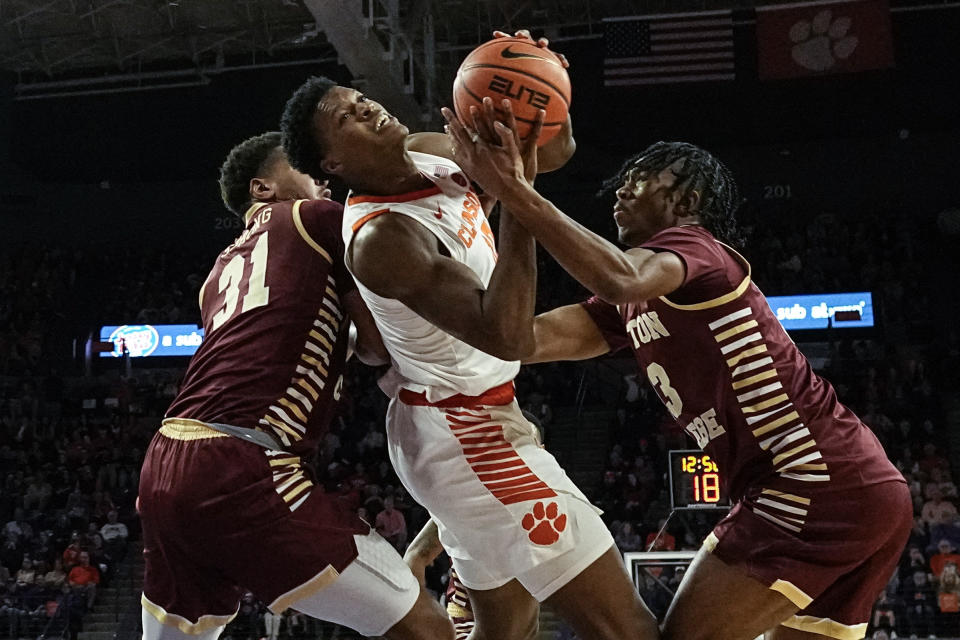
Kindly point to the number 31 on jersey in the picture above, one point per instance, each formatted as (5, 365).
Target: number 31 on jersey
(258, 294)
(704, 427)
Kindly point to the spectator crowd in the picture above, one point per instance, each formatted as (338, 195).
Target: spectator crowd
(71, 446)
(69, 480)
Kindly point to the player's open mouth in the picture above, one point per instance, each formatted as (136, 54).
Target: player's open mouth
(383, 120)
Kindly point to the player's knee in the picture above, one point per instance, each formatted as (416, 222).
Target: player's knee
(522, 623)
(673, 631)
(425, 621)
(670, 633)
(638, 624)
(626, 623)
(510, 629)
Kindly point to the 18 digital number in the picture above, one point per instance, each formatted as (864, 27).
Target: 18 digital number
(706, 477)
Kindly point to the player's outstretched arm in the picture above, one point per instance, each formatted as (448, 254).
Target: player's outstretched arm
(423, 550)
(614, 275)
(558, 150)
(566, 333)
(617, 276)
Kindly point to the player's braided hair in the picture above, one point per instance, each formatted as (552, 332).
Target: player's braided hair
(701, 172)
(245, 162)
(303, 150)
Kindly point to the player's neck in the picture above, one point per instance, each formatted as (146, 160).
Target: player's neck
(392, 178)
(688, 221)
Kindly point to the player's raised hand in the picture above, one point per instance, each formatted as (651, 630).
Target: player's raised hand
(482, 123)
(478, 156)
(528, 146)
(495, 166)
(543, 43)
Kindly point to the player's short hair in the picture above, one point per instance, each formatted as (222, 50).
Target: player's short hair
(701, 172)
(246, 161)
(304, 152)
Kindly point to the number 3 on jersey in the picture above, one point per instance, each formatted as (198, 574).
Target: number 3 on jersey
(661, 384)
(258, 295)
(703, 427)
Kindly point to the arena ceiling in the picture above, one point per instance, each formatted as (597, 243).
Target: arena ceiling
(58, 48)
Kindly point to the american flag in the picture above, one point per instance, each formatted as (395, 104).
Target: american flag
(677, 47)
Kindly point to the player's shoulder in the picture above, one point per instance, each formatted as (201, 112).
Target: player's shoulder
(685, 239)
(684, 233)
(315, 214)
(318, 223)
(309, 214)
(317, 208)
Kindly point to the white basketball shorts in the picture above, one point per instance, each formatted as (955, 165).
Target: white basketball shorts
(504, 507)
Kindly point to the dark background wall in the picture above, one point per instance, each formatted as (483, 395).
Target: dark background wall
(141, 168)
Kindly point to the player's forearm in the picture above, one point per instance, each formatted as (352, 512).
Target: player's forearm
(372, 352)
(424, 548)
(597, 264)
(566, 333)
(509, 301)
(555, 153)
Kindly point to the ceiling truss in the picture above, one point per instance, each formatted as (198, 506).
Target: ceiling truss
(402, 49)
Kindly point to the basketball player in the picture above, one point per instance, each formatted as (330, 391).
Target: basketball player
(426, 547)
(455, 320)
(226, 501)
(820, 515)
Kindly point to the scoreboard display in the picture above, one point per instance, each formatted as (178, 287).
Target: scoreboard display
(147, 340)
(695, 481)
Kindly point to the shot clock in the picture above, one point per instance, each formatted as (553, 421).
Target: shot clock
(695, 481)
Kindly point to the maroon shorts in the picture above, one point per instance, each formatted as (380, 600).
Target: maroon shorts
(221, 516)
(830, 552)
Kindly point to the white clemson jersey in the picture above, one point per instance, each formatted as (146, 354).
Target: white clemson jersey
(426, 357)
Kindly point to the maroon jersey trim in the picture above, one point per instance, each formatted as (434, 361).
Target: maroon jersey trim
(724, 299)
(253, 209)
(288, 416)
(769, 412)
(202, 625)
(187, 429)
(298, 223)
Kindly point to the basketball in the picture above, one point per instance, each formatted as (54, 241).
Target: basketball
(516, 69)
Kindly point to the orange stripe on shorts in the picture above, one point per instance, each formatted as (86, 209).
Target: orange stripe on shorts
(501, 470)
(539, 494)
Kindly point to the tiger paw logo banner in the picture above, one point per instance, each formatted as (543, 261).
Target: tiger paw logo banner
(800, 40)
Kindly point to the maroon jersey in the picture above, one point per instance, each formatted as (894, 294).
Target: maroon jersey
(275, 341)
(732, 377)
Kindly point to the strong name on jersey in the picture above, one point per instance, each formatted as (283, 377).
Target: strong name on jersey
(275, 340)
(731, 376)
(426, 357)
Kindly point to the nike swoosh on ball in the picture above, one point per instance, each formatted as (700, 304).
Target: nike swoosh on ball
(506, 53)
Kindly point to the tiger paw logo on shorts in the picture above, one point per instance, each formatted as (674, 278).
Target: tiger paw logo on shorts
(544, 524)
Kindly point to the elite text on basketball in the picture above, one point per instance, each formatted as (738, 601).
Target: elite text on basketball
(505, 86)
